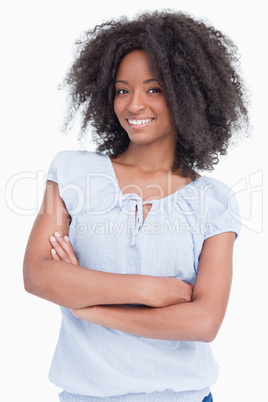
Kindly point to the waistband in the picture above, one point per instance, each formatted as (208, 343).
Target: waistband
(165, 396)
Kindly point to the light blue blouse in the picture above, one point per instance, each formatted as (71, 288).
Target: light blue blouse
(108, 234)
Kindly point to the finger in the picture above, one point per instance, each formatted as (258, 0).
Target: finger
(54, 255)
(82, 313)
(63, 256)
(67, 247)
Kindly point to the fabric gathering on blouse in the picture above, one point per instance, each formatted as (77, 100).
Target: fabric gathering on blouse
(108, 234)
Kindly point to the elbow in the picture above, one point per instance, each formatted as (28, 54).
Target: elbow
(209, 330)
(206, 321)
(30, 283)
(209, 335)
(27, 277)
(33, 279)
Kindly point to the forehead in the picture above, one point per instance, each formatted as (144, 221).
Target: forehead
(134, 63)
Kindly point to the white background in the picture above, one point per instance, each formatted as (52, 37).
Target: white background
(37, 41)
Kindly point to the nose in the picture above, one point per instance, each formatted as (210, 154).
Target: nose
(136, 102)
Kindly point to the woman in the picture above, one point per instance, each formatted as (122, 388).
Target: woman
(143, 277)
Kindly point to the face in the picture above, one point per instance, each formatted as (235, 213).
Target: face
(139, 101)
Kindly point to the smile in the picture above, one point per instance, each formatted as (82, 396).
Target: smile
(139, 122)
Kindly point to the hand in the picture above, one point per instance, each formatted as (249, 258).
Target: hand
(166, 291)
(62, 249)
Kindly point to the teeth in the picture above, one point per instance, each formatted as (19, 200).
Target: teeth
(139, 122)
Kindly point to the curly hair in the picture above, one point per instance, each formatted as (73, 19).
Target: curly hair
(196, 65)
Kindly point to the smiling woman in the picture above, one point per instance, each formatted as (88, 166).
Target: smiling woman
(140, 305)
(196, 67)
(140, 104)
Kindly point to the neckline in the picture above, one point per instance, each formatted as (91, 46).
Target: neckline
(154, 199)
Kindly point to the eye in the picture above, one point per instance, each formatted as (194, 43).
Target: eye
(154, 90)
(121, 91)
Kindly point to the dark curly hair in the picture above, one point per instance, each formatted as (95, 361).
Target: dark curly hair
(196, 65)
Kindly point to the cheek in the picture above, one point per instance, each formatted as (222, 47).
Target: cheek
(160, 106)
(163, 111)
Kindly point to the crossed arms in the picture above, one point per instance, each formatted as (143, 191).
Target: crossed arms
(169, 308)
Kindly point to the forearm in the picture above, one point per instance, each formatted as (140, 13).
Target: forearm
(185, 322)
(77, 287)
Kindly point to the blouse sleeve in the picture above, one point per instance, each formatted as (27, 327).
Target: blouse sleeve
(59, 172)
(52, 174)
(222, 210)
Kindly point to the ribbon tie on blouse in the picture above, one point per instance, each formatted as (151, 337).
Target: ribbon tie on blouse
(133, 205)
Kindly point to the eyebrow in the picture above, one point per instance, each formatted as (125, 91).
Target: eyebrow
(144, 82)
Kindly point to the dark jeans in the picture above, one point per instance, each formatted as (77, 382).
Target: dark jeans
(208, 398)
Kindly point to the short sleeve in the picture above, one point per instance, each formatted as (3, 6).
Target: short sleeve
(52, 170)
(59, 172)
(222, 210)
(84, 183)
(63, 167)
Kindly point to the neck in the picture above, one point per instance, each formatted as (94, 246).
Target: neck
(149, 157)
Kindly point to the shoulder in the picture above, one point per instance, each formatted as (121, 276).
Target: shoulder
(213, 188)
(214, 195)
(73, 163)
(74, 166)
(82, 176)
(218, 205)
(73, 156)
